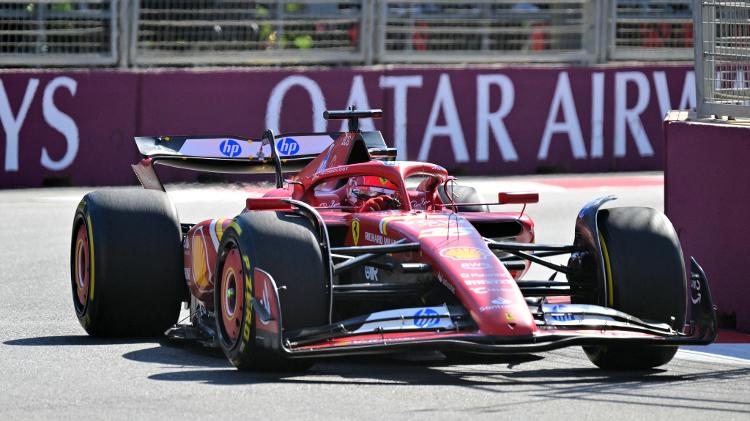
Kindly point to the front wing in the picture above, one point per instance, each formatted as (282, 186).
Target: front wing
(450, 328)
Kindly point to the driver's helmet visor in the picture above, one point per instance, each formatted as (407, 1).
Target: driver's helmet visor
(367, 187)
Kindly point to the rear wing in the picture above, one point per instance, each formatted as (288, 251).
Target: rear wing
(232, 154)
(240, 155)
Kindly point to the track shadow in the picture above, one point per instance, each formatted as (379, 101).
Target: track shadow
(647, 388)
(517, 375)
(75, 340)
(397, 369)
(190, 355)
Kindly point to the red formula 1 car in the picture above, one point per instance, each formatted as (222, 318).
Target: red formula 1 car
(359, 253)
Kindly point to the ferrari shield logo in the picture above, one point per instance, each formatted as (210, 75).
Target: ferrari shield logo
(355, 231)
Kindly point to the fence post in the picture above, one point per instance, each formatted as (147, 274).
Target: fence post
(367, 40)
(699, 63)
(597, 37)
(379, 31)
(122, 32)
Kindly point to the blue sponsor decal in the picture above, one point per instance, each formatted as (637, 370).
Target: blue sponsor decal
(561, 316)
(230, 148)
(287, 146)
(426, 317)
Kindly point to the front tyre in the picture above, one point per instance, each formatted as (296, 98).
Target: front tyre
(285, 246)
(645, 277)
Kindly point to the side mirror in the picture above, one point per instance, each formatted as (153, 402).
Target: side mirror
(505, 198)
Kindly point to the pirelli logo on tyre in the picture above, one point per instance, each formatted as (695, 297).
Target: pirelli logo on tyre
(248, 318)
(464, 253)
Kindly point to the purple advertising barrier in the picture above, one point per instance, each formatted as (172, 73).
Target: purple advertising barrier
(707, 198)
(67, 127)
(76, 127)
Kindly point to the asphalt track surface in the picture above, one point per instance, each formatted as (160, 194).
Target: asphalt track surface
(49, 368)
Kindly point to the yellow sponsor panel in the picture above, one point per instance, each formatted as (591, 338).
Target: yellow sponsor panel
(199, 266)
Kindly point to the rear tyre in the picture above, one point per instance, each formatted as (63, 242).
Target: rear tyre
(645, 278)
(462, 194)
(126, 263)
(285, 246)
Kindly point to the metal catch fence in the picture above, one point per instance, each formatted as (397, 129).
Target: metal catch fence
(722, 62)
(64, 33)
(651, 30)
(484, 30)
(246, 32)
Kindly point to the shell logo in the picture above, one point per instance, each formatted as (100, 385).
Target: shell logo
(463, 253)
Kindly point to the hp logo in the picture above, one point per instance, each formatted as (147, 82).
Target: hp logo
(287, 146)
(426, 317)
(230, 148)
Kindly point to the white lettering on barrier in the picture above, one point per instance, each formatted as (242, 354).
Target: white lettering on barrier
(400, 86)
(275, 100)
(487, 120)
(687, 98)
(570, 125)
(597, 115)
(630, 118)
(56, 119)
(662, 93)
(490, 123)
(12, 125)
(60, 122)
(358, 98)
(445, 102)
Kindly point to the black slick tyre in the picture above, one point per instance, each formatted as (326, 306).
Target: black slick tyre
(126, 263)
(285, 246)
(645, 278)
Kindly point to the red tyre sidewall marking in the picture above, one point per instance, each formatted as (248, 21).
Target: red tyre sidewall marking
(232, 306)
(81, 277)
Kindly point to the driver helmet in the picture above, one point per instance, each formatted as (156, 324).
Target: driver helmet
(366, 187)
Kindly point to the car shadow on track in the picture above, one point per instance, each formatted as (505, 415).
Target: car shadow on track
(75, 340)
(528, 375)
(466, 370)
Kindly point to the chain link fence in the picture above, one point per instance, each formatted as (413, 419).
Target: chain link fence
(722, 62)
(651, 30)
(484, 30)
(49, 32)
(244, 32)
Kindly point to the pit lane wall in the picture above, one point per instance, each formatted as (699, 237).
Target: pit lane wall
(76, 126)
(707, 197)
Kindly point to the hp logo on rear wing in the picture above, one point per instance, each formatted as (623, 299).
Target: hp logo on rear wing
(230, 148)
(287, 146)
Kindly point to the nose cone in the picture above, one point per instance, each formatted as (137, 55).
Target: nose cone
(467, 267)
(484, 286)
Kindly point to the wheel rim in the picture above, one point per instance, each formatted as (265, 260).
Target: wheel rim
(232, 295)
(82, 266)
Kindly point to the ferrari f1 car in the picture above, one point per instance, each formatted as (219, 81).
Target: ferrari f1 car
(358, 253)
